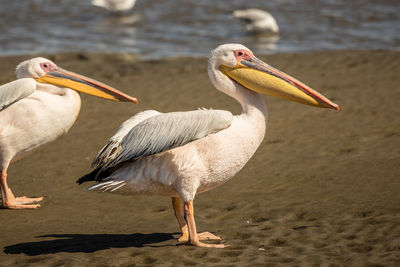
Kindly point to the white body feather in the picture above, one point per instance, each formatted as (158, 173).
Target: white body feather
(35, 120)
(195, 167)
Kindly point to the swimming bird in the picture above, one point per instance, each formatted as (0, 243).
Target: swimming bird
(181, 154)
(258, 21)
(37, 108)
(115, 5)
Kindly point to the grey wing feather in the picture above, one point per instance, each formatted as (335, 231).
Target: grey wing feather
(113, 147)
(169, 130)
(16, 90)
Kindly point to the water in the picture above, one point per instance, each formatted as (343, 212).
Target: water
(170, 28)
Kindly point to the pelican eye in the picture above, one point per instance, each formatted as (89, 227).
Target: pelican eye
(47, 66)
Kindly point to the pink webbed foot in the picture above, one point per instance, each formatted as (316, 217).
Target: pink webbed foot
(208, 236)
(201, 236)
(22, 203)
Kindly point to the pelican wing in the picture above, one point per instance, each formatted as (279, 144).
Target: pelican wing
(113, 147)
(166, 131)
(16, 90)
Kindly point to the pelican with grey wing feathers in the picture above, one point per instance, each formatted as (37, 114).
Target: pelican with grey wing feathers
(181, 154)
(37, 108)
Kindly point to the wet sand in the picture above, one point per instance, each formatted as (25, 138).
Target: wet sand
(322, 190)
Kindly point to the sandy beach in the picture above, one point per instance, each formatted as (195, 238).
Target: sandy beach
(323, 189)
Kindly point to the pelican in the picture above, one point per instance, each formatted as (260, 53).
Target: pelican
(258, 21)
(115, 5)
(181, 154)
(37, 108)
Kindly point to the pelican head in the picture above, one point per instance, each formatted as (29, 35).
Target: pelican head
(238, 65)
(45, 71)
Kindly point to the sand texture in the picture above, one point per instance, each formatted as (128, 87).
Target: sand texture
(323, 189)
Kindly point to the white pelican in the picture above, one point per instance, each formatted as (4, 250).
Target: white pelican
(258, 21)
(37, 108)
(181, 154)
(114, 5)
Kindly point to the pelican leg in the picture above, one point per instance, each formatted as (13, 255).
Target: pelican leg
(194, 238)
(180, 216)
(11, 202)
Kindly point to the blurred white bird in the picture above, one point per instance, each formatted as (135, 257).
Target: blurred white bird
(114, 5)
(258, 21)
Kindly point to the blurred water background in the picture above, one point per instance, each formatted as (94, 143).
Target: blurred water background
(169, 28)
